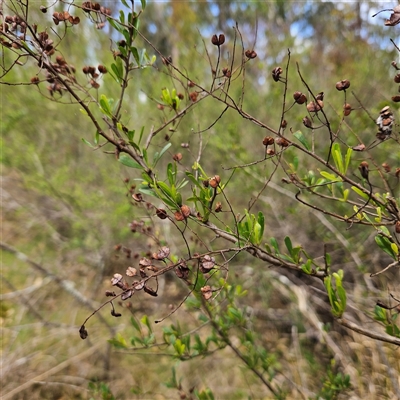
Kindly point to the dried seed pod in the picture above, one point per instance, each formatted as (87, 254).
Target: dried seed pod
(137, 197)
(282, 142)
(343, 85)
(276, 73)
(167, 60)
(307, 122)
(359, 147)
(250, 54)
(320, 96)
(35, 80)
(364, 169)
(179, 216)
(177, 157)
(315, 106)
(214, 182)
(270, 152)
(193, 96)
(218, 207)
(206, 292)
(397, 227)
(221, 39)
(284, 124)
(386, 167)
(347, 109)
(397, 78)
(102, 69)
(226, 72)
(396, 98)
(268, 140)
(185, 210)
(207, 263)
(215, 40)
(299, 97)
(161, 213)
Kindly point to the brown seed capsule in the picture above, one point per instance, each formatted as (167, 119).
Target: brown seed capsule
(226, 72)
(381, 136)
(94, 84)
(268, 140)
(386, 167)
(137, 197)
(190, 84)
(102, 69)
(346, 109)
(320, 96)
(43, 9)
(282, 142)
(179, 216)
(343, 85)
(270, 152)
(396, 99)
(276, 73)
(359, 147)
(299, 97)
(214, 182)
(397, 227)
(364, 169)
(315, 107)
(193, 96)
(215, 40)
(218, 207)
(284, 124)
(250, 54)
(307, 122)
(397, 78)
(185, 210)
(161, 213)
(221, 39)
(177, 157)
(35, 80)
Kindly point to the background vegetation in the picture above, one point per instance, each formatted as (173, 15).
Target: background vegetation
(69, 222)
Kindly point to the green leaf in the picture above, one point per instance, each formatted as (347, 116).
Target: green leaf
(306, 267)
(330, 177)
(302, 139)
(160, 154)
(337, 157)
(360, 192)
(135, 324)
(347, 159)
(261, 221)
(135, 54)
(105, 106)
(87, 142)
(194, 180)
(118, 69)
(289, 245)
(275, 245)
(386, 245)
(165, 188)
(127, 161)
